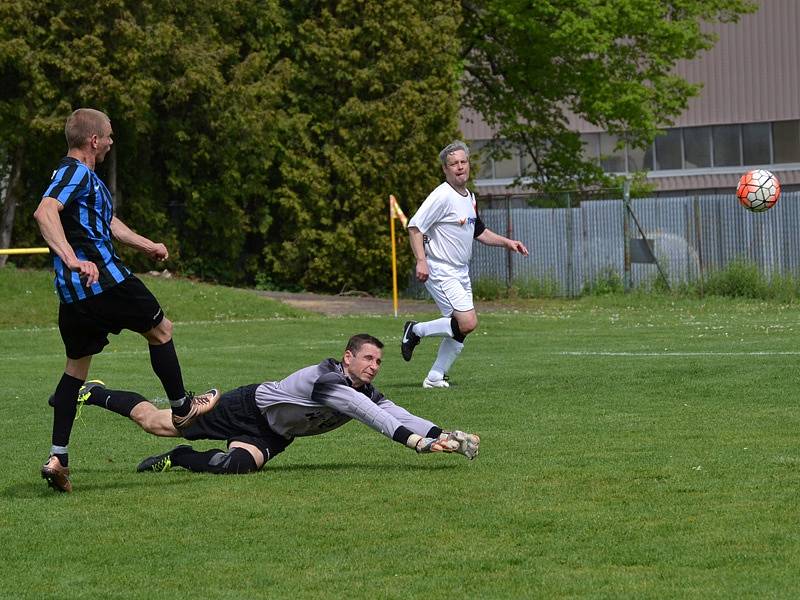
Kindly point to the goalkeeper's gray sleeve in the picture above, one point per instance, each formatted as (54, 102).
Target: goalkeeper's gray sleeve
(411, 421)
(331, 390)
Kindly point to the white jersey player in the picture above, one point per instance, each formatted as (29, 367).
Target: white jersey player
(441, 234)
(259, 421)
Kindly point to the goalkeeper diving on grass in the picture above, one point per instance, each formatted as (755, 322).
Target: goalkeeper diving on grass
(259, 421)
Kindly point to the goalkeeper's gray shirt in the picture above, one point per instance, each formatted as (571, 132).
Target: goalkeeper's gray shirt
(320, 398)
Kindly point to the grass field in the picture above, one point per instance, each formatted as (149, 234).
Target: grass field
(632, 447)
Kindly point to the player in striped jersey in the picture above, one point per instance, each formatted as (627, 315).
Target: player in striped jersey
(98, 293)
(259, 421)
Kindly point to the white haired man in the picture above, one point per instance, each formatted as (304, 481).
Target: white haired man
(441, 234)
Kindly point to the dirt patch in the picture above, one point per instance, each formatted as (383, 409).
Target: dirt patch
(336, 306)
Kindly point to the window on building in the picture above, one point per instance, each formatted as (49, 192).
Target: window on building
(726, 145)
(640, 159)
(527, 162)
(507, 168)
(611, 159)
(756, 144)
(697, 147)
(480, 163)
(669, 154)
(786, 141)
(705, 147)
(591, 146)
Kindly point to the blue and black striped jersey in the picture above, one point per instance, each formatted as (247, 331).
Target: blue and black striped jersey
(86, 219)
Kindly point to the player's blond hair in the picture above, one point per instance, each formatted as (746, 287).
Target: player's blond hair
(83, 124)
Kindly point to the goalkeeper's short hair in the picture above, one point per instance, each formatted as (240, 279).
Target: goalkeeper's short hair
(354, 343)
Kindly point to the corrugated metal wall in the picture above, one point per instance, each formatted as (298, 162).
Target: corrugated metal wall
(751, 73)
(690, 236)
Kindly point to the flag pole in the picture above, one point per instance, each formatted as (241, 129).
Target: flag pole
(394, 253)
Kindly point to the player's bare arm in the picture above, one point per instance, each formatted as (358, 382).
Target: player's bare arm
(490, 238)
(418, 248)
(129, 237)
(47, 216)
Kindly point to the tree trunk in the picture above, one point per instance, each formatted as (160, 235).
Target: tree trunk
(10, 204)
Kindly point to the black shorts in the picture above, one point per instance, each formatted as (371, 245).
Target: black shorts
(236, 418)
(85, 325)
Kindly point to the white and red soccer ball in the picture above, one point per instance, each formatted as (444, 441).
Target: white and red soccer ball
(758, 190)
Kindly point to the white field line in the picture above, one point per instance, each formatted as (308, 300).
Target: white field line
(177, 323)
(111, 353)
(759, 353)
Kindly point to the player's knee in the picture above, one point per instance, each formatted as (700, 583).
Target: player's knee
(235, 461)
(462, 328)
(165, 327)
(161, 333)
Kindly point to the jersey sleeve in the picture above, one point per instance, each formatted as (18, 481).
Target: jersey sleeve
(69, 181)
(332, 390)
(412, 422)
(429, 213)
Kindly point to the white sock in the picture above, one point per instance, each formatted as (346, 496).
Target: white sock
(449, 350)
(437, 328)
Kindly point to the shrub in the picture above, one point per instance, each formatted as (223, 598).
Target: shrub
(531, 287)
(739, 279)
(487, 288)
(607, 282)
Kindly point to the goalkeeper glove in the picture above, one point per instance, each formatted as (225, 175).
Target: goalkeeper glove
(425, 445)
(468, 443)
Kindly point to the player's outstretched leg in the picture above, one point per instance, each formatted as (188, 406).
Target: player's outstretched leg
(234, 461)
(199, 405)
(160, 462)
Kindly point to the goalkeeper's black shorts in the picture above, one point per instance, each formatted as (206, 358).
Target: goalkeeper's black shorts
(236, 418)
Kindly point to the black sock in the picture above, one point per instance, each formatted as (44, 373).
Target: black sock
(63, 459)
(165, 364)
(65, 405)
(234, 461)
(194, 460)
(118, 401)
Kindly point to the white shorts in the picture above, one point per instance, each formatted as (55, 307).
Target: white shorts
(451, 294)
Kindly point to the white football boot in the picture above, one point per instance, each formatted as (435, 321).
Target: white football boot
(439, 383)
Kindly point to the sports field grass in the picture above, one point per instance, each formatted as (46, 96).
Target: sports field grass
(631, 448)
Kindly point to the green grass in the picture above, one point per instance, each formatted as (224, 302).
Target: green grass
(633, 447)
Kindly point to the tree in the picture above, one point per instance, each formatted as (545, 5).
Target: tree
(528, 65)
(371, 99)
(259, 140)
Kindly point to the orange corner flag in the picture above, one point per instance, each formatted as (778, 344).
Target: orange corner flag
(396, 212)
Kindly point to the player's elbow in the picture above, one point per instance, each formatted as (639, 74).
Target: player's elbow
(47, 209)
(38, 214)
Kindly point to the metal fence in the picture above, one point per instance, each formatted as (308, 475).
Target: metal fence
(572, 248)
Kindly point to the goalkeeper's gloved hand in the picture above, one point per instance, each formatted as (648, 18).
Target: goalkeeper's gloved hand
(449, 441)
(468, 443)
(424, 445)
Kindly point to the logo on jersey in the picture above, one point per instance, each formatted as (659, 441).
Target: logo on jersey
(467, 221)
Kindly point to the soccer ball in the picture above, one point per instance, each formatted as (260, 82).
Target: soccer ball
(758, 190)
